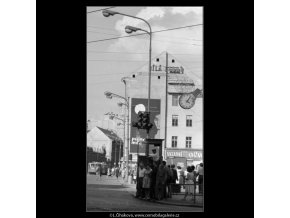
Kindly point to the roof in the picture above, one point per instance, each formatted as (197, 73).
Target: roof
(110, 134)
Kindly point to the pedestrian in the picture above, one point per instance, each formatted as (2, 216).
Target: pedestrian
(200, 178)
(117, 172)
(168, 182)
(113, 171)
(189, 181)
(161, 178)
(98, 176)
(153, 180)
(108, 172)
(135, 176)
(195, 175)
(181, 179)
(174, 179)
(124, 173)
(146, 182)
(101, 169)
(140, 191)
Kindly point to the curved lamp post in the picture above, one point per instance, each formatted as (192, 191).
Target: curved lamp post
(110, 95)
(130, 29)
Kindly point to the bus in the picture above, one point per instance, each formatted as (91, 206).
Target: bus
(93, 165)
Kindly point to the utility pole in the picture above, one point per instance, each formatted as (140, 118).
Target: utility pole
(166, 105)
(115, 161)
(128, 139)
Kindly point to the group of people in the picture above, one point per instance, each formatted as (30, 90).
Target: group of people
(116, 171)
(156, 181)
(190, 180)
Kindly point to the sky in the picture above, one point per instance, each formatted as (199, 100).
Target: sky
(108, 61)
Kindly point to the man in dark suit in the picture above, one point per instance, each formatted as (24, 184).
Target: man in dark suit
(174, 178)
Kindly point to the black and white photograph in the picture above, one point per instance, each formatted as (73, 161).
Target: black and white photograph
(144, 150)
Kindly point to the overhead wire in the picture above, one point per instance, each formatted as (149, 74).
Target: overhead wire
(145, 33)
(102, 33)
(119, 60)
(95, 27)
(120, 52)
(99, 10)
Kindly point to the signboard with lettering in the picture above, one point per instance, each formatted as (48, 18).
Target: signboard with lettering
(159, 67)
(195, 155)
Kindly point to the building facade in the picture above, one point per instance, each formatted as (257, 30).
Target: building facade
(181, 129)
(102, 142)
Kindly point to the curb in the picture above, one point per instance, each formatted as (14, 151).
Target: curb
(168, 203)
(160, 202)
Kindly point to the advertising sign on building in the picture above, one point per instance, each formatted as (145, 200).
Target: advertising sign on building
(140, 104)
(195, 155)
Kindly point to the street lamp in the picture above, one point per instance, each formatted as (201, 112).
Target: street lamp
(115, 116)
(130, 29)
(108, 13)
(110, 95)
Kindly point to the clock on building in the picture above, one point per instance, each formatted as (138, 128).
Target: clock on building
(187, 101)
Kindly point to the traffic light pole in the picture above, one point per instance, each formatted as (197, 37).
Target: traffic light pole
(147, 145)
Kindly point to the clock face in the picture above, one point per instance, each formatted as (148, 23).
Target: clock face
(186, 101)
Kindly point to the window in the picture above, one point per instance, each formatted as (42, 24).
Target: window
(174, 100)
(189, 120)
(174, 120)
(174, 142)
(188, 142)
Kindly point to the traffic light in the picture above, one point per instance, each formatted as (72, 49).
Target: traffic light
(146, 121)
(139, 124)
(143, 121)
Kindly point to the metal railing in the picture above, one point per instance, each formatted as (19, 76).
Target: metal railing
(179, 189)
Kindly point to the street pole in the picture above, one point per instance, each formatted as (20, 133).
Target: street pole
(124, 123)
(149, 89)
(127, 99)
(115, 152)
(166, 106)
(128, 140)
(149, 82)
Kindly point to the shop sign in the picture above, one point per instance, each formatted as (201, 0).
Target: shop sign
(179, 70)
(194, 154)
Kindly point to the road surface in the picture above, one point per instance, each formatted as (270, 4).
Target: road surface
(108, 194)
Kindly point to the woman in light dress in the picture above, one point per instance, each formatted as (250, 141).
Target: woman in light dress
(181, 178)
(189, 181)
(146, 182)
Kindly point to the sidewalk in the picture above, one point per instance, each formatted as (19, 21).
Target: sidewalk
(176, 200)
